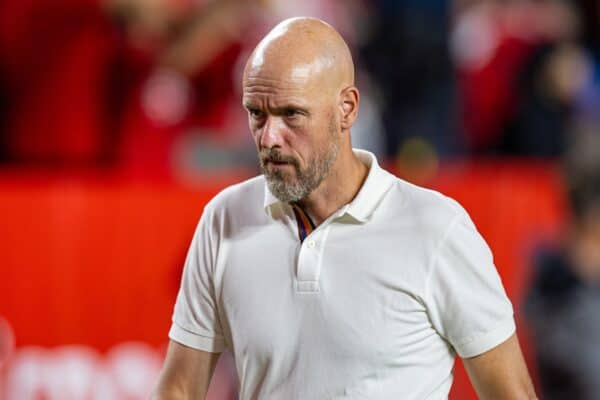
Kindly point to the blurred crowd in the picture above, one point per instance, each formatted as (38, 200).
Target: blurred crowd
(146, 86)
(152, 88)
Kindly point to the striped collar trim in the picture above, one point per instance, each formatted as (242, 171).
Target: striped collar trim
(305, 224)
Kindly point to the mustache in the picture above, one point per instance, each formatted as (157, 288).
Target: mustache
(274, 155)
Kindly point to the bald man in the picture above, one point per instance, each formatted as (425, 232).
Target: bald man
(326, 276)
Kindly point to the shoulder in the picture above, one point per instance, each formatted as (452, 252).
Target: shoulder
(239, 197)
(425, 208)
(236, 207)
(427, 198)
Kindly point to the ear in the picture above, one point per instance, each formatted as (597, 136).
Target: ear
(349, 101)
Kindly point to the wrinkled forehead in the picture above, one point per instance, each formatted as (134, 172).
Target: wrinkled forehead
(262, 90)
(289, 74)
(285, 83)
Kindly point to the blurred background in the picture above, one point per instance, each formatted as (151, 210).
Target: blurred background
(119, 119)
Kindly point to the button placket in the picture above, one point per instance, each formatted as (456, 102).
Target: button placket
(308, 267)
(310, 261)
(310, 256)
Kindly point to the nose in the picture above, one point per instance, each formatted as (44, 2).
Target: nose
(272, 133)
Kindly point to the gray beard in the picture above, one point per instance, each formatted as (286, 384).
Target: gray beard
(298, 188)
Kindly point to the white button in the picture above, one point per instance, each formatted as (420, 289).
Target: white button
(311, 244)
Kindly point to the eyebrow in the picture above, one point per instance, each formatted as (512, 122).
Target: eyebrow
(249, 105)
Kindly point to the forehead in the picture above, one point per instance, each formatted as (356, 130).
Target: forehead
(297, 85)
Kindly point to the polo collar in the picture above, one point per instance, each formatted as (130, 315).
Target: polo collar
(369, 196)
(270, 200)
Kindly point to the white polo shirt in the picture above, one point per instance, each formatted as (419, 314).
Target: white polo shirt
(373, 304)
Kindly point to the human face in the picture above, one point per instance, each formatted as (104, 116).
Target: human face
(295, 132)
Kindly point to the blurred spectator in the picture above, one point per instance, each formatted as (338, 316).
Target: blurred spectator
(493, 43)
(551, 83)
(563, 306)
(106, 81)
(405, 50)
(188, 90)
(56, 57)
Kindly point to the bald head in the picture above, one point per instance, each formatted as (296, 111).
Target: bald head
(301, 100)
(303, 50)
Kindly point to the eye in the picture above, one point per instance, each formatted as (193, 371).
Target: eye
(291, 112)
(255, 113)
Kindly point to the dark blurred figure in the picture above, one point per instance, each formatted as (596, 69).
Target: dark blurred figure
(563, 305)
(406, 53)
(550, 84)
(590, 14)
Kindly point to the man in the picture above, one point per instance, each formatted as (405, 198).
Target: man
(327, 277)
(563, 303)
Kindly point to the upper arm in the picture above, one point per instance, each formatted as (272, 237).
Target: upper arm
(500, 373)
(186, 373)
(465, 299)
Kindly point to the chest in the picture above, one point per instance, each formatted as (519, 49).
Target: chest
(336, 295)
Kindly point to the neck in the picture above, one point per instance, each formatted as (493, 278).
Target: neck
(339, 188)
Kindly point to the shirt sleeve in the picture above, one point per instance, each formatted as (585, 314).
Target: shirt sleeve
(466, 301)
(195, 318)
